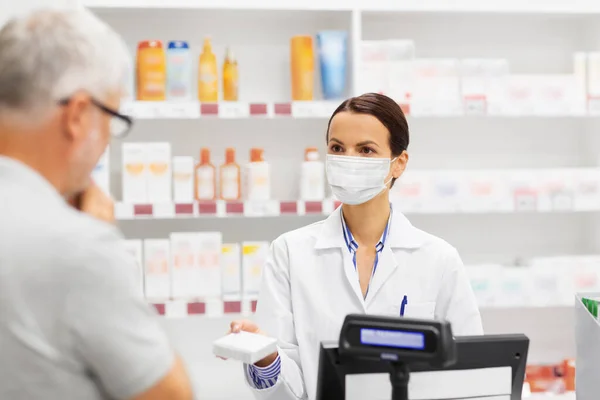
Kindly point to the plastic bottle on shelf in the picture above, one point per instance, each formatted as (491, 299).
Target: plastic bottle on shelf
(230, 184)
(312, 179)
(179, 71)
(302, 68)
(258, 177)
(230, 77)
(206, 179)
(151, 71)
(208, 84)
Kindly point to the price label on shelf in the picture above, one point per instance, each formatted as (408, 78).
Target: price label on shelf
(124, 211)
(261, 208)
(234, 110)
(128, 108)
(176, 309)
(180, 110)
(307, 109)
(163, 210)
(146, 110)
(475, 105)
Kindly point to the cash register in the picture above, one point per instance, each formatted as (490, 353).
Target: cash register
(401, 346)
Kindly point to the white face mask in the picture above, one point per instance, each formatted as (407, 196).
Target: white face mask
(356, 180)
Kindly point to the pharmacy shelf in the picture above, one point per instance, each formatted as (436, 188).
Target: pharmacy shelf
(431, 6)
(229, 110)
(253, 209)
(213, 308)
(301, 109)
(239, 308)
(223, 209)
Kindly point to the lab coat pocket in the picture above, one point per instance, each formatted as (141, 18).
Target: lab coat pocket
(420, 310)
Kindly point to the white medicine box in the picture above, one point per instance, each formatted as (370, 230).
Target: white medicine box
(254, 257)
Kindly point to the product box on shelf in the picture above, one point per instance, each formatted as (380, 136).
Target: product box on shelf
(183, 265)
(400, 58)
(410, 192)
(254, 257)
(554, 95)
(436, 87)
(157, 269)
(486, 191)
(159, 172)
(580, 72)
(101, 172)
(373, 69)
(134, 247)
(482, 82)
(586, 184)
(520, 96)
(135, 174)
(196, 265)
(555, 190)
(207, 279)
(593, 82)
(514, 286)
(447, 191)
(183, 179)
(231, 265)
(484, 281)
(524, 188)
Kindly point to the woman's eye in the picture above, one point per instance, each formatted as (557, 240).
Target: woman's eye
(367, 150)
(336, 148)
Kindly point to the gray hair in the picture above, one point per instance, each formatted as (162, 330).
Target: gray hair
(49, 55)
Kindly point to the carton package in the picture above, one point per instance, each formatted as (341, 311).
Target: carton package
(134, 247)
(135, 173)
(254, 257)
(159, 172)
(157, 269)
(231, 264)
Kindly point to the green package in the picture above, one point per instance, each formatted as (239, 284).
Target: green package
(592, 305)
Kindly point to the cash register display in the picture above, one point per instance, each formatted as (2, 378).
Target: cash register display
(392, 339)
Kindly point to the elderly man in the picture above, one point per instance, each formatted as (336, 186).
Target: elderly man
(72, 325)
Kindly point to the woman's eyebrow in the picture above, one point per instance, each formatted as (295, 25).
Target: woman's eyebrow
(336, 140)
(366, 143)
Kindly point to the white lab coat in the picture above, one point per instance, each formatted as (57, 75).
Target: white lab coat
(310, 284)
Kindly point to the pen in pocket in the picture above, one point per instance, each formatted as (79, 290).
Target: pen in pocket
(403, 305)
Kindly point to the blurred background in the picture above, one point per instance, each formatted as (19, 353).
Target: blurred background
(231, 100)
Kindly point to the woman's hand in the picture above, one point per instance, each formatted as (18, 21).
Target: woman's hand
(249, 326)
(93, 201)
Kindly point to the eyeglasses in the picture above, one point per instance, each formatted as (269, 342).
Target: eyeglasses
(120, 124)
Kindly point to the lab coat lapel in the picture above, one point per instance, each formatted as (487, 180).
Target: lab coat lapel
(331, 237)
(386, 265)
(402, 236)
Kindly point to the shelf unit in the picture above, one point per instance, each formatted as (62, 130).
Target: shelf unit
(537, 36)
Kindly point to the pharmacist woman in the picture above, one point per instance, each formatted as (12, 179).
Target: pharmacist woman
(366, 257)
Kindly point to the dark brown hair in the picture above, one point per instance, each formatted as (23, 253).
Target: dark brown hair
(386, 110)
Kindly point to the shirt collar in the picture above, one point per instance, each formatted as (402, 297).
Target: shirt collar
(349, 239)
(401, 233)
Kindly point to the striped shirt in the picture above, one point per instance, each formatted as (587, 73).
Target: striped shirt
(266, 377)
(353, 246)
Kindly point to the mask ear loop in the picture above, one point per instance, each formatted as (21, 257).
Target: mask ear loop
(391, 161)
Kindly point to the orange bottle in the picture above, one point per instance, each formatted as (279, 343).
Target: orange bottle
(230, 173)
(230, 77)
(303, 68)
(208, 83)
(151, 71)
(206, 179)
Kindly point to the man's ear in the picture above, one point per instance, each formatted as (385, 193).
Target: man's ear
(77, 116)
(399, 165)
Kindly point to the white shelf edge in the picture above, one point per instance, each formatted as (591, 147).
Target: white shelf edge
(421, 6)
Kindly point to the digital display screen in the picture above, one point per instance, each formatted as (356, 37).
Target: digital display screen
(396, 339)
